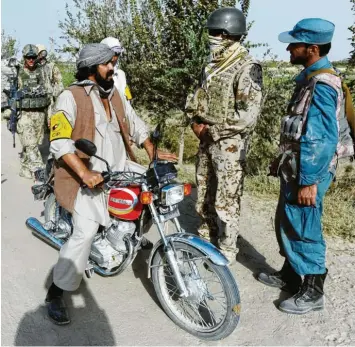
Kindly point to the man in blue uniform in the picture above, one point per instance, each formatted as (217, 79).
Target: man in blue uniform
(306, 166)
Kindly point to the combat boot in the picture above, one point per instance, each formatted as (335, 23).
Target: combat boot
(309, 298)
(286, 279)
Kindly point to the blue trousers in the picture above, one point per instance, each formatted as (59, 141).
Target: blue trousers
(300, 229)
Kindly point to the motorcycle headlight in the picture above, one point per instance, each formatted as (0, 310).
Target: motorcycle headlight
(172, 194)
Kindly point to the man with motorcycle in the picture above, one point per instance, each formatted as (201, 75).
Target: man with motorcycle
(92, 109)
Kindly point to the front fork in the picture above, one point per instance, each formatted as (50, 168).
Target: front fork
(169, 248)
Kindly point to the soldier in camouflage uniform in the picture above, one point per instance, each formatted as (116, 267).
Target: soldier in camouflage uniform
(223, 113)
(31, 124)
(52, 76)
(8, 74)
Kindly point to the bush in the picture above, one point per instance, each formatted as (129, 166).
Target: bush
(265, 139)
(68, 73)
(171, 141)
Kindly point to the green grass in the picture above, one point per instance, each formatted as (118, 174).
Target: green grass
(339, 203)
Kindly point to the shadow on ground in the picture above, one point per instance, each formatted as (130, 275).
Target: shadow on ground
(140, 270)
(89, 324)
(189, 219)
(250, 258)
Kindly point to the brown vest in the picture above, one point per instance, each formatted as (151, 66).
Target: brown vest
(66, 182)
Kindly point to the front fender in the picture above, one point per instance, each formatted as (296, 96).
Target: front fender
(211, 251)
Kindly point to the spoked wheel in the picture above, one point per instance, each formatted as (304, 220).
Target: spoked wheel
(211, 310)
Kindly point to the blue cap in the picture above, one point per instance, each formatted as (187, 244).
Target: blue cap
(314, 31)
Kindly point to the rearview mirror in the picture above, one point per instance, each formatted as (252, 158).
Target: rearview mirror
(86, 147)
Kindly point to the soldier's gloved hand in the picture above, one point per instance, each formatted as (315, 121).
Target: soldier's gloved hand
(92, 178)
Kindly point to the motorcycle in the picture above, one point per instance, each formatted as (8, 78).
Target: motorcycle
(190, 276)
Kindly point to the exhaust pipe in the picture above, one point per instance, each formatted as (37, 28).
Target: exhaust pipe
(46, 236)
(42, 233)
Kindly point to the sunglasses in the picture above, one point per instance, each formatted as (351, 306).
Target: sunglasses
(31, 58)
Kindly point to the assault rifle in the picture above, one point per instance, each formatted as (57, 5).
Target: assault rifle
(15, 96)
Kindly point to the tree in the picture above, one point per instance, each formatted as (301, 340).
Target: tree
(352, 30)
(9, 46)
(165, 41)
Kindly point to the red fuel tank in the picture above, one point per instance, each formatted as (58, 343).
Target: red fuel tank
(124, 203)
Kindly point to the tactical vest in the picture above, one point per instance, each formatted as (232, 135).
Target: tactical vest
(34, 92)
(216, 103)
(292, 125)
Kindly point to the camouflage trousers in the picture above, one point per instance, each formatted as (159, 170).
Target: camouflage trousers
(30, 128)
(220, 178)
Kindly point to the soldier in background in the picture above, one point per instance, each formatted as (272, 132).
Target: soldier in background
(52, 76)
(8, 74)
(31, 124)
(223, 113)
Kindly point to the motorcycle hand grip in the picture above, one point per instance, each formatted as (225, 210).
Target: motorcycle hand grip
(105, 175)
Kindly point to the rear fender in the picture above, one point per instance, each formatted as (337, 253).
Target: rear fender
(211, 251)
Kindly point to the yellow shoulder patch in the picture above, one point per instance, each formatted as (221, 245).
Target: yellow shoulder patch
(128, 94)
(60, 127)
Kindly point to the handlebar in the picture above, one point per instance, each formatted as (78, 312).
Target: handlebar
(124, 176)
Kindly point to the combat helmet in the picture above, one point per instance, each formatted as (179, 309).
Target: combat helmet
(30, 51)
(41, 47)
(229, 20)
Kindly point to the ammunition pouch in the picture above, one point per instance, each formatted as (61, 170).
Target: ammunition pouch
(31, 103)
(34, 98)
(292, 127)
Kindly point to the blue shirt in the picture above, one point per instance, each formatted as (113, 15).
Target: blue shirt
(319, 141)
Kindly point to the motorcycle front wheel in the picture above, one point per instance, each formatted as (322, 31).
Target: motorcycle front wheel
(211, 310)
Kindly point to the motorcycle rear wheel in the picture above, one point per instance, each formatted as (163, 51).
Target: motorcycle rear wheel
(196, 314)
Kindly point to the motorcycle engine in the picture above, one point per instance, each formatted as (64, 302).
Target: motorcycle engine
(108, 251)
(116, 233)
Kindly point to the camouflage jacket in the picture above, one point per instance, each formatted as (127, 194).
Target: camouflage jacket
(53, 79)
(239, 105)
(7, 76)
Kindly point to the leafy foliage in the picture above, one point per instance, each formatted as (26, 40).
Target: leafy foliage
(264, 144)
(9, 46)
(165, 43)
(352, 30)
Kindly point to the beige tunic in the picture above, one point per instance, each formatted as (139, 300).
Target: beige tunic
(92, 203)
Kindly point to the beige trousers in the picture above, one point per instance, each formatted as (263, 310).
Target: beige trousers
(74, 255)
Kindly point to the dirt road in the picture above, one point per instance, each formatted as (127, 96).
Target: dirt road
(123, 310)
